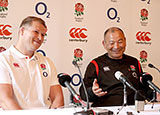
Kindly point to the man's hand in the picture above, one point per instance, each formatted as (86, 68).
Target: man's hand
(96, 90)
(56, 95)
(7, 98)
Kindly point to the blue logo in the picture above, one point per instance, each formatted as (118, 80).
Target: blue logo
(41, 51)
(44, 11)
(79, 79)
(45, 74)
(148, 2)
(114, 16)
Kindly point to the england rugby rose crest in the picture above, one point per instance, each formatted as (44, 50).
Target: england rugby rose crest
(79, 8)
(43, 66)
(78, 53)
(3, 5)
(144, 14)
(143, 56)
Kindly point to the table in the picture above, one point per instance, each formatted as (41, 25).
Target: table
(71, 110)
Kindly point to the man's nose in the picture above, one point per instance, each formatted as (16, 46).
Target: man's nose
(40, 37)
(116, 45)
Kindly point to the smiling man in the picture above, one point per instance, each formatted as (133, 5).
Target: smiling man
(28, 79)
(115, 43)
(102, 86)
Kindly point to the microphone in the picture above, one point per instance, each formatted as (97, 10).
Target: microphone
(123, 79)
(152, 66)
(74, 63)
(147, 79)
(139, 96)
(64, 80)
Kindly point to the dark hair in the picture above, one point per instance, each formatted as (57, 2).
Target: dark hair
(113, 29)
(28, 21)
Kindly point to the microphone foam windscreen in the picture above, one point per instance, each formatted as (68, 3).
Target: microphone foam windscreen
(74, 63)
(146, 77)
(118, 74)
(63, 78)
(150, 65)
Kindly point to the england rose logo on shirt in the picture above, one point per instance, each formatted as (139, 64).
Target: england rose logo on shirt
(132, 67)
(43, 66)
(16, 65)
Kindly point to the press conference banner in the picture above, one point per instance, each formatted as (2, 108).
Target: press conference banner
(76, 28)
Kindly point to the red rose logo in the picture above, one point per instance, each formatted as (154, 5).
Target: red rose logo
(3, 5)
(79, 8)
(78, 53)
(16, 65)
(76, 102)
(143, 56)
(132, 67)
(144, 14)
(43, 66)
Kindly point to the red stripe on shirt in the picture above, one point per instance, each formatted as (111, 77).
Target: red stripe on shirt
(139, 65)
(96, 66)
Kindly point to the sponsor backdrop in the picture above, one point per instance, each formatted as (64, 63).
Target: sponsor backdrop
(76, 27)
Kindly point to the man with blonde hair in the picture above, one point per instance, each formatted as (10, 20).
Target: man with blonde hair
(28, 79)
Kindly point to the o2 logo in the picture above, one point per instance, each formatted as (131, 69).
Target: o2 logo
(73, 81)
(41, 9)
(41, 51)
(113, 14)
(148, 2)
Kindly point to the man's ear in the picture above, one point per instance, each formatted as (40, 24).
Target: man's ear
(103, 42)
(21, 30)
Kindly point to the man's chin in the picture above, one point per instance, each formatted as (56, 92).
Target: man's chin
(116, 56)
(34, 48)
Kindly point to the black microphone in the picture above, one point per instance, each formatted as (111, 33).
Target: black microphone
(74, 63)
(147, 80)
(152, 66)
(64, 80)
(123, 79)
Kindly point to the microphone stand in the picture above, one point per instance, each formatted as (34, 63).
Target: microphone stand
(124, 98)
(154, 98)
(157, 69)
(88, 111)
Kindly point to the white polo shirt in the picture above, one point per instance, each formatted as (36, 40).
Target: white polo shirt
(31, 78)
